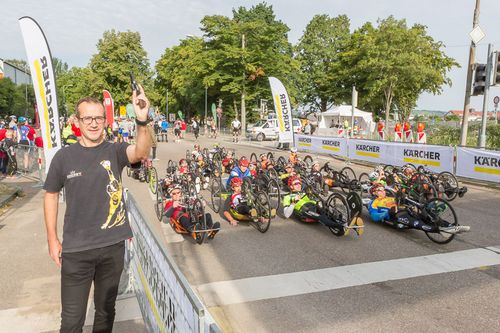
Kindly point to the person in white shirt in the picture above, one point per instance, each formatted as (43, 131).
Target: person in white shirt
(236, 125)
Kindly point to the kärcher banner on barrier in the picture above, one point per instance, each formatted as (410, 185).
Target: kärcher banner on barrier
(283, 110)
(478, 164)
(435, 158)
(44, 84)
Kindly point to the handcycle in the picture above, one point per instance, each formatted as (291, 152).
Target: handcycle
(195, 208)
(435, 212)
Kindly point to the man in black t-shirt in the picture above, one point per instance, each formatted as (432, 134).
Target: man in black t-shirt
(95, 222)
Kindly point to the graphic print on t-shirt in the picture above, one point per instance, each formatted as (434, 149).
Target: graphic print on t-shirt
(114, 189)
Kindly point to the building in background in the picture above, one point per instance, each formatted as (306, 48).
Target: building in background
(17, 75)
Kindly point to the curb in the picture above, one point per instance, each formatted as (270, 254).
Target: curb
(16, 191)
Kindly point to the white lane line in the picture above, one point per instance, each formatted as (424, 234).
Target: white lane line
(305, 282)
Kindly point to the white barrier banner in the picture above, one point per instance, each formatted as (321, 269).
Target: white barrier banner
(304, 143)
(478, 164)
(331, 146)
(160, 288)
(435, 158)
(372, 151)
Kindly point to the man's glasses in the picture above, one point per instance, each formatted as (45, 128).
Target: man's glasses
(88, 120)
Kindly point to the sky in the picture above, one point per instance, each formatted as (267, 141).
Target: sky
(73, 27)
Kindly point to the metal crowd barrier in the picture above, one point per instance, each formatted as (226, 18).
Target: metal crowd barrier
(30, 161)
(167, 301)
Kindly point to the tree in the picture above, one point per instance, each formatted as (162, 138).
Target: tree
(13, 99)
(266, 52)
(318, 51)
(78, 82)
(394, 64)
(119, 54)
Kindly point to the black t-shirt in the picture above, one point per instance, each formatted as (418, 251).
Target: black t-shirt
(95, 209)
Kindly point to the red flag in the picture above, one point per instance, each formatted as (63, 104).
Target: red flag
(109, 106)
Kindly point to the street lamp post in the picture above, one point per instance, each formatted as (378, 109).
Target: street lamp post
(206, 102)
(64, 99)
(243, 107)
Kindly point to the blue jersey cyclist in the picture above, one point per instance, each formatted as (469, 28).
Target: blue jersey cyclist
(240, 171)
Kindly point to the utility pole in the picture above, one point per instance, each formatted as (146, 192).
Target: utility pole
(354, 104)
(243, 108)
(489, 65)
(167, 106)
(472, 56)
(206, 100)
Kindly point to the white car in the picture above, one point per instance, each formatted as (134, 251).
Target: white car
(268, 129)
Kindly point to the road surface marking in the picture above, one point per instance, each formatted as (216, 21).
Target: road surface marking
(305, 282)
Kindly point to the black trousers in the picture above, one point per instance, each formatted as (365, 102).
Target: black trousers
(103, 266)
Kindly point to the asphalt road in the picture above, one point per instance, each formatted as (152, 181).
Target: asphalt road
(300, 278)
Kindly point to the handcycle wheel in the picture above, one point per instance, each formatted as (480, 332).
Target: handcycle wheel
(191, 190)
(272, 173)
(198, 216)
(281, 162)
(449, 183)
(364, 186)
(263, 207)
(423, 187)
(349, 173)
(153, 180)
(308, 160)
(253, 157)
(129, 171)
(188, 155)
(247, 185)
(337, 210)
(159, 204)
(440, 214)
(147, 172)
(344, 181)
(216, 193)
(274, 194)
(326, 168)
(270, 156)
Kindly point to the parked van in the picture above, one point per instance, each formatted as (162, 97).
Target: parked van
(268, 129)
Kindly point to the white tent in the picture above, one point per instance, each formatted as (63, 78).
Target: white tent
(341, 113)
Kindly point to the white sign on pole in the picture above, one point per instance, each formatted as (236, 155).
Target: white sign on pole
(477, 34)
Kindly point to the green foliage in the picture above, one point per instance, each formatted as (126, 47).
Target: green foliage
(452, 117)
(119, 54)
(13, 99)
(318, 51)
(445, 135)
(393, 64)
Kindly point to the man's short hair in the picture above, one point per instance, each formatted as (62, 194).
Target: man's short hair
(90, 100)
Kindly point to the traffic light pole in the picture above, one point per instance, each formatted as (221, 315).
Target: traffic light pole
(489, 65)
(468, 85)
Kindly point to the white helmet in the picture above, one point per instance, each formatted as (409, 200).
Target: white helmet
(373, 175)
(293, 149)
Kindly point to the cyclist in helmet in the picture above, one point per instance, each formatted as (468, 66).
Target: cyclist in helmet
(180, 218)
(306, 210)
(238, 208)
(240, 171)
(293, 158)
(385, 209)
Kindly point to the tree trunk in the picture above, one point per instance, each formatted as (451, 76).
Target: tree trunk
(323, 104)
(388, 101)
